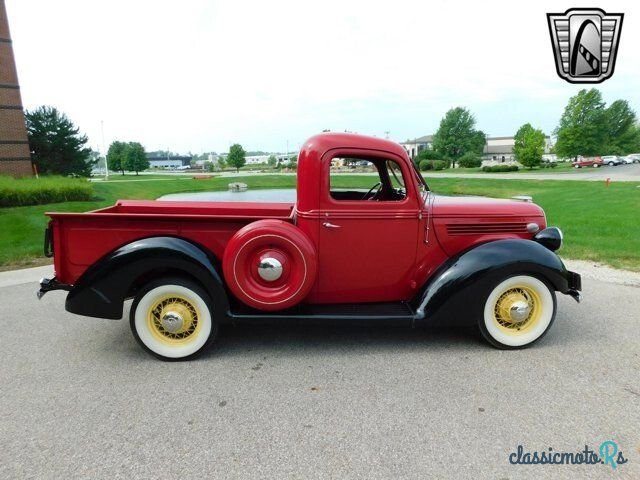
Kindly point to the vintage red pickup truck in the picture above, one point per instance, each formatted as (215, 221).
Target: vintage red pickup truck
(395, 253)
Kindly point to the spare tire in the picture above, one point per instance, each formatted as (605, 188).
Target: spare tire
(270, 265)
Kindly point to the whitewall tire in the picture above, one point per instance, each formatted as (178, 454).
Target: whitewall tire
(518, 312)
(172, 319)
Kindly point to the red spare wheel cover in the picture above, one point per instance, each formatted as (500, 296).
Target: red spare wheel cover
(280, 243)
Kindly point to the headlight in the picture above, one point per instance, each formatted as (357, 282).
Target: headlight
(550, 237)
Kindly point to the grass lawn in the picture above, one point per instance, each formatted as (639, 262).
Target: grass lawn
(599, 223)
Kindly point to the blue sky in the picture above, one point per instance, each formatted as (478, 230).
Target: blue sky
(198, 75)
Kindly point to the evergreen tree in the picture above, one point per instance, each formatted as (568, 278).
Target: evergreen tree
(56, 144)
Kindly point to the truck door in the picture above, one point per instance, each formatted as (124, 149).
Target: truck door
(369, 223)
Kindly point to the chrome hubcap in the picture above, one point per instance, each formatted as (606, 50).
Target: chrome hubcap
(519, 311)
(172, 322)
(270, 269)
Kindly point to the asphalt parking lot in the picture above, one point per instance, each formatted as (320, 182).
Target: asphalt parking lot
(80, 399)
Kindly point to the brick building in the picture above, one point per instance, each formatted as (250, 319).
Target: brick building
(15, 157)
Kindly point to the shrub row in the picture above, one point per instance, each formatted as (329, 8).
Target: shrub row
(31, 191)
(500, 168)
(432, 165)
(469, 162)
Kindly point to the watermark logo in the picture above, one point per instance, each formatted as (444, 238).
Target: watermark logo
(585, 43)
(608, 454)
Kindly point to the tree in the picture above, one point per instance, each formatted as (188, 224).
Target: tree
(623, 135)
(135, 158)
(56, 144)
(115, 156)
(457, 135)
(529, 146)
(582, 129)
(272, 161)
(236, 157)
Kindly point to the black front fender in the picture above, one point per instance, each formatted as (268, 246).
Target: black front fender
(102, 289)
(458, 290)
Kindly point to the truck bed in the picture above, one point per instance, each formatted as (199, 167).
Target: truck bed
(80, 239)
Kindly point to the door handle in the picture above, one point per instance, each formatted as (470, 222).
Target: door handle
(330, 225)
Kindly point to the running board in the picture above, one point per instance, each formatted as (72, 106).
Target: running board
(396, 313)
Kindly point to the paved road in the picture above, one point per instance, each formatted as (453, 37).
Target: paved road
(81, 400)
(621, 173)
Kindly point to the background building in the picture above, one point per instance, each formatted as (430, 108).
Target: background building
(496, 149)
(15, 156)
(500, 150)
(415, 146)
(168, 161)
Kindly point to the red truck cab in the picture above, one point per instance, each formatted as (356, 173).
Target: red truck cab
(393, 252)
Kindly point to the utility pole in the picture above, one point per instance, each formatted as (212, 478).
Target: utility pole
(106, 163)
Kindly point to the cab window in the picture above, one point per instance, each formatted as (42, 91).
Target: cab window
(366, 179)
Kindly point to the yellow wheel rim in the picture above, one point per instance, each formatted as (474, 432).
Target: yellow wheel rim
(517, 310)
(173, 320)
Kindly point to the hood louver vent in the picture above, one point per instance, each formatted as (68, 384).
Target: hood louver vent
(485, 228)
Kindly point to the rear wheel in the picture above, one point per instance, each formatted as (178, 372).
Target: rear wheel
(518, 312)
(171, 319)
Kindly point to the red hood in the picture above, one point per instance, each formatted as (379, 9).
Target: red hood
(444, 206)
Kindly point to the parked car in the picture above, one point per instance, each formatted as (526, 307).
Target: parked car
(394, 252)
(632, 158)
(594, 162)
(611, 160)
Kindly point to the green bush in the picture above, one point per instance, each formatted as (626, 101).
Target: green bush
(500, 168)
(32, 191)
(426, 165)
(439, 164)
(469, 160)
(428, 154)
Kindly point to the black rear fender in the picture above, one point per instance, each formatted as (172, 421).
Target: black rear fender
(103, 288)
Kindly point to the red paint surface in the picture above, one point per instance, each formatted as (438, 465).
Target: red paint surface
(588, 162)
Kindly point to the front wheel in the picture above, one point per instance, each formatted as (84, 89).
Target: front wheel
(518, 312)
(172, 319)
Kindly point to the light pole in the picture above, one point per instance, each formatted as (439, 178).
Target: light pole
(106, 163)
